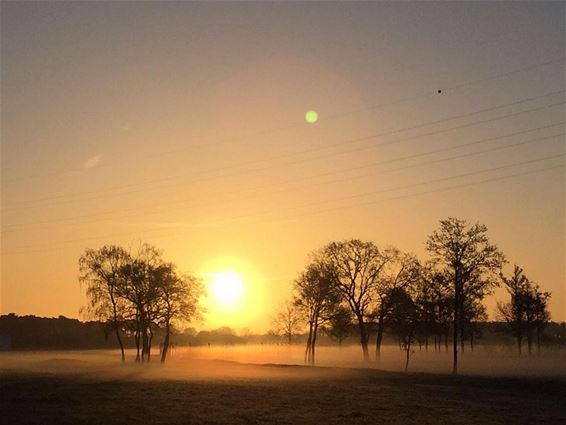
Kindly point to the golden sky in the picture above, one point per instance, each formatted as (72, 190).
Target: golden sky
(183, 125)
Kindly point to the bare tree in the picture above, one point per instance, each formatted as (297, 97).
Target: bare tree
(288, 321)
(514, 311)
(317, 299)
(542, 314)
(470, 261)
(141, 289)
(527, 308)
(356, 267)
(404, 318)
(435, 303)
(402, 272)
(139, 293)
(100, 271)
(178, 300)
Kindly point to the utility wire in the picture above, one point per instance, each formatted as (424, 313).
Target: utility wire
(445, 189)
(165, 207)
(442, 179)
(143, 188)
(448, 178)
(423, 95)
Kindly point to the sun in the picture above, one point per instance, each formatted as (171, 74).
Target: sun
(227, 288)
(236, 293)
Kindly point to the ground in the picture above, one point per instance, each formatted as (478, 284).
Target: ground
(232, 393)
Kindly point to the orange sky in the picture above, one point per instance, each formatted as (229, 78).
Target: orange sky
(182, 125)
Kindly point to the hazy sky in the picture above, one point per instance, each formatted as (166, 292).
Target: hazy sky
(182, 124)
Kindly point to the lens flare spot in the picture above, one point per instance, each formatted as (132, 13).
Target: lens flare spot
(311, 116)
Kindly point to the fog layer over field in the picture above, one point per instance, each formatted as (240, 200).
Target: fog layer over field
(225, 362)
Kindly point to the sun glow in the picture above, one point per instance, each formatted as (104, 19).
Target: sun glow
(235, 294)
(227, 288)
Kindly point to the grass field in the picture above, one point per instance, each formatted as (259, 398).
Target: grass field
(67, 391)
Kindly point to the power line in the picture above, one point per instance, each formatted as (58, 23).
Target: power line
(419, 96)
(448, 178)
(446, 189)
(501, 167)
(142, 187)
(434, 161)
(405, 139)
(465, 84)
(490, 139)
(426, 124)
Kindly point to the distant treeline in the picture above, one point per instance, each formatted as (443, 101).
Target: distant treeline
(38, 333)
(62, 333)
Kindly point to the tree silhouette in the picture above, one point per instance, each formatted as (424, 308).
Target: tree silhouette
(527, 308)
(404, 318)
(402, 272)
(317, 299)
(140, 293)
(541, 312)
(100, 270)
(469, 261)
(287, 322)
(356, 267)
(140, 288)
(177, 301)
(435, 306)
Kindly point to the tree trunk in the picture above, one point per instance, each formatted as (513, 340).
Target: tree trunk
(137, 339)
(462, 329)
(308, 348)
(455, 335)
(119, 338)
(380, 326)
(144, 346)
(520, 334)
(530, 338)
(313, 347)
(165, 343)
(145, 342)
(363, 338)
(408, 349)
(116, 327)
(149, 340)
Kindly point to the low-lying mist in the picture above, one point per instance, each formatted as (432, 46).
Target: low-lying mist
(267, 361)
